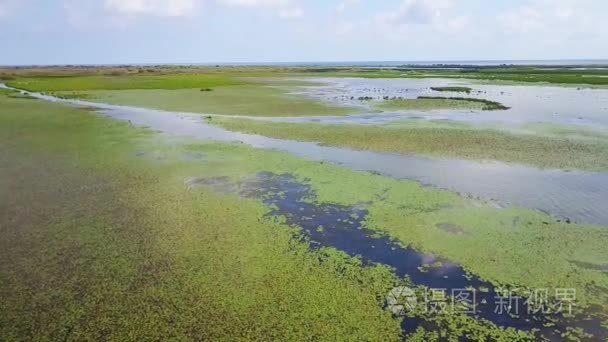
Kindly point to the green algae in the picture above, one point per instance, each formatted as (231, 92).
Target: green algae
(100, 245)
(198, 246)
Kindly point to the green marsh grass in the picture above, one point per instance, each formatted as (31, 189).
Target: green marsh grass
(485, 104)
(100, 243)
(252, 100)
(458, 141)
(452, 89)
(176, 77)
(428, 104)
(122, 82)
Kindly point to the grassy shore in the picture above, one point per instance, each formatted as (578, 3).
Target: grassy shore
(457, 141)
(211, 93)
(174, 77)
(122, 82)
(252, 100)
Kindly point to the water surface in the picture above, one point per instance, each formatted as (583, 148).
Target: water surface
(528, 103)
(577, 195)
(342, 227)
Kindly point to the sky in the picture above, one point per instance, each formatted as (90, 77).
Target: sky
(241, 31)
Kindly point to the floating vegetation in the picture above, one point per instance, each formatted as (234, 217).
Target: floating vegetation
(100, 245)
(487, 104)
(335, 226)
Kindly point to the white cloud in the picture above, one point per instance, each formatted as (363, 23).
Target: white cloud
(522, 20)
(419, 11)
(555, 28)
(91, 14)
(112, 14)
(414, 16)
(7, 7)
(544, 18)
(161, 8)
(282, 8)
(345, 5)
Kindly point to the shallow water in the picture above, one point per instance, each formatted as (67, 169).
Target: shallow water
(343, 229)
(529, 103)
(579, 196)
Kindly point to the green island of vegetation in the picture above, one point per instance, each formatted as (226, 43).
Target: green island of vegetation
(428, 103)
(453, 89)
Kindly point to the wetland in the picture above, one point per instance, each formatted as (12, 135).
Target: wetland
(323, 193)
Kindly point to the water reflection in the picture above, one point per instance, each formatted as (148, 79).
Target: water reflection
(529, 103)
(580, 196)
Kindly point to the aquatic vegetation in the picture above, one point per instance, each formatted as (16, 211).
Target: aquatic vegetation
(330, 225)
(181, 256)
(428, 104)
(457, 140)
(72, 95)
(453, 89)
(98, 244)
(529, 240)
(437, 102)
(564, 131)
(487, 104)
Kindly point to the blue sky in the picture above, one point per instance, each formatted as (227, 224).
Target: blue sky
(203, 31)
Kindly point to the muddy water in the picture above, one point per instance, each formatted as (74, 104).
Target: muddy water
(343, 229)
(579, 196)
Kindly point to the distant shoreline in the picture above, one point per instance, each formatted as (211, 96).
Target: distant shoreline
(561, 63)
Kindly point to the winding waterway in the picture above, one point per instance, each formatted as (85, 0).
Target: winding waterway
(577, 195)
